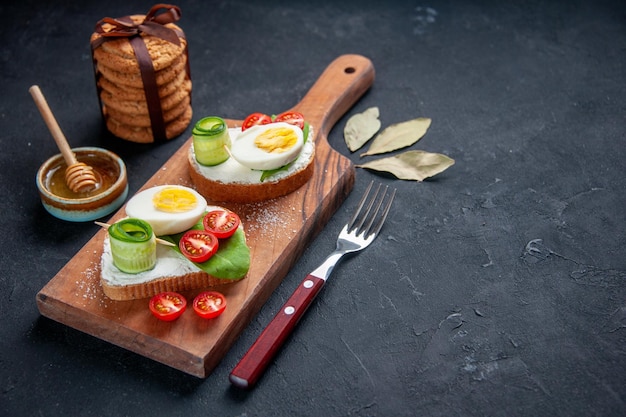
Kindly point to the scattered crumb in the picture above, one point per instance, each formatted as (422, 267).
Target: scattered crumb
(88, 286)
(265, 216)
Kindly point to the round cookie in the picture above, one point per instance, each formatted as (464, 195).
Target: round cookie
(144, 120)
(121, 87)
(140, 107)
(118, 54)
(133, 79)
(144, 134)
(123, 92)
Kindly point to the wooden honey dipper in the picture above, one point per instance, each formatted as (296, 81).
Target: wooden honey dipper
(79, 176)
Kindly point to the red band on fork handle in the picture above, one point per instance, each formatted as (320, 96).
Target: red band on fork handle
(250, 368)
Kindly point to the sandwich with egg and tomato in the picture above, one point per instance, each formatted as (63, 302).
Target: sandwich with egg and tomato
(200, 245)
(267, 157)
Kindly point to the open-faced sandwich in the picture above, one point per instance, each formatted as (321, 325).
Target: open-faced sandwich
(172, 241)
(267, 157)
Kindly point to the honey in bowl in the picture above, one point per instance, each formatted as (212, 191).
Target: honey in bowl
(63, 203)
(106, 171)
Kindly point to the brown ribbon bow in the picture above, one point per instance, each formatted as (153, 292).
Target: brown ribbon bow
(153, 24)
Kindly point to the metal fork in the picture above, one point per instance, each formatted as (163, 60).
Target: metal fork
(357, 234)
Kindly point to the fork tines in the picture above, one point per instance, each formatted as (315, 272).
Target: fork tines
(368, 210)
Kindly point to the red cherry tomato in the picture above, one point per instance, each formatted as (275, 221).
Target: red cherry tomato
(167, 306)
(291, 117)
(209, 304)
(222, 223)
(255, 119)
(198, 245)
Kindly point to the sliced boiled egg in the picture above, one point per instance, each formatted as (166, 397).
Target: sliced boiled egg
(169, 209)
(269, 146)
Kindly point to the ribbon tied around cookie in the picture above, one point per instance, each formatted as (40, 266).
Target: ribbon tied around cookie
(154, 25)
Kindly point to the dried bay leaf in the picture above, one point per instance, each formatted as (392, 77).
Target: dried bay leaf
(361, 127)
(398, 136)
(411, 165)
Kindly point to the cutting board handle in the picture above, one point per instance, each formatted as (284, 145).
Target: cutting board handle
(341, 84)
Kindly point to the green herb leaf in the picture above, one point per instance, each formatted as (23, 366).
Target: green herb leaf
(232, 259)
(411, 165)
(398, 136)
(265, 174)
(360, 128)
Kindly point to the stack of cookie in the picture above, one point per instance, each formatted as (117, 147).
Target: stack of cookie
(122, 91)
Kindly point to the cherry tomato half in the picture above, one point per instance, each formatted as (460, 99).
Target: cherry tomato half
(167, 306)
(209, 304)
(291, 117)
(198, 245)
(255, 119)
(222, 223)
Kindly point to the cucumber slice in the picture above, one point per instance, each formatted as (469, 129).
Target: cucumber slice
(210, 140)
(133, 245)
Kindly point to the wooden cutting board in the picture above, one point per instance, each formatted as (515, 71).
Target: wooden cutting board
(277, 231)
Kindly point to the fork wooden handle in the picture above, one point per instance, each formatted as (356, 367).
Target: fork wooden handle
(250, 368)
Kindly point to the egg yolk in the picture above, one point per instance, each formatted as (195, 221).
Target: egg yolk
(174, 200)
(276, 140)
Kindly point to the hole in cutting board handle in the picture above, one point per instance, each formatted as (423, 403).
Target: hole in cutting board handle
(349, 70)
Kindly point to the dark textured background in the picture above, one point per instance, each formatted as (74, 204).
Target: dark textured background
(497, 288)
